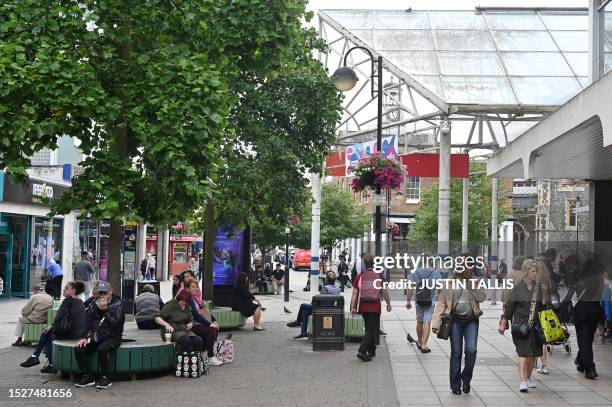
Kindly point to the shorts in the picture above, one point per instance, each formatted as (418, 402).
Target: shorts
(424, 314)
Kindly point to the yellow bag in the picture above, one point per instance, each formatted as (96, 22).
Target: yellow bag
(553, 330)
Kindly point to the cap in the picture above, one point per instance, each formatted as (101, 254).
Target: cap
(37, 287)
(103, 287)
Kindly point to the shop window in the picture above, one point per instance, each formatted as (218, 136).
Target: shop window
(180, 253)
(46, 245)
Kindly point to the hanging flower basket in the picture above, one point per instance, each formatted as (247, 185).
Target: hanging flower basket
(393, 228)
(375, 171)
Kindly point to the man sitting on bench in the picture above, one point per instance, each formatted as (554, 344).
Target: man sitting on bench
(305, 311)
(104, 322)
(34, 311)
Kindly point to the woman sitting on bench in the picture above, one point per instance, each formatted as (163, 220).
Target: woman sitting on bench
(205, 325)
(68, 324)
(176, 319)
(245, 302)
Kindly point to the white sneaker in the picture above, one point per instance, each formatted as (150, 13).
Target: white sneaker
(214, 361)
(530, 384)
(523, 388)
(543, 369)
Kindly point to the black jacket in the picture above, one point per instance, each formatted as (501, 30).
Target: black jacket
(74, 309)
(109, 323)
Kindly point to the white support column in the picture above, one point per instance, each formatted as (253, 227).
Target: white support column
(596, 41)
(444, 189)
(315, 234)
(494, 234)
(465, 215)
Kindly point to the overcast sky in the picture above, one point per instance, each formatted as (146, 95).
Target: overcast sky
(440, 4)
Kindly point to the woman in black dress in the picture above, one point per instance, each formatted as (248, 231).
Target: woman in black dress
(245, 302)
(519, 311)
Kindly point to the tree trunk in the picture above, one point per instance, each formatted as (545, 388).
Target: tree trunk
(209, 244)
(121, 139)
(114, 256)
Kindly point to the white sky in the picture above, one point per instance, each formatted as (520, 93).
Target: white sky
(439, 4)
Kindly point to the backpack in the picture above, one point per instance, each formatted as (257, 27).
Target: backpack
(423, 293)
(367, 287)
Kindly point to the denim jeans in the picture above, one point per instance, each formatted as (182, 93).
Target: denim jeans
(303, 314)
(463, 338)
(45, 342)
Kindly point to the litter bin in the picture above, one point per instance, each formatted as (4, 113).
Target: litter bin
(327, 322)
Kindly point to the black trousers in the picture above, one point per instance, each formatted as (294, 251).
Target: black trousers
(371, 321)
(586, 319)
(56, 283)
(104, 349)
(188, 343)
(147, 324)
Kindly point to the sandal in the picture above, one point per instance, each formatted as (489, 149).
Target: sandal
(258, 328)
(418, 344)
(425, 350)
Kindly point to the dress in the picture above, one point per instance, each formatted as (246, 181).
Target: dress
(517, 311)
(242, 300)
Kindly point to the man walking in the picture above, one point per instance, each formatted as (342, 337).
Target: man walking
(83, 270)
(343, 270)
(424, 280)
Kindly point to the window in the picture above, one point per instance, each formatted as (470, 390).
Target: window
(570, 214)
(413, 190)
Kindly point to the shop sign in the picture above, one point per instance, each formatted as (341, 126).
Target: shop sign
(4, 227)
(32, 192)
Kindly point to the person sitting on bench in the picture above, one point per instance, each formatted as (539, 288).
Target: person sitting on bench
(68, 324)
(176, 319)
(305, 311)
(148, 304)
(104, 322)
(34, 311)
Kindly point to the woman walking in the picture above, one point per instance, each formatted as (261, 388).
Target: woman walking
(522, 308)
(461, 302)
(366, 301)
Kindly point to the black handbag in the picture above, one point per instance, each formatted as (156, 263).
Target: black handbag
(520, 331)
(446, 322)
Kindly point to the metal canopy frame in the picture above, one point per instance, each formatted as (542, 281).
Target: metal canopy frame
(421, 110)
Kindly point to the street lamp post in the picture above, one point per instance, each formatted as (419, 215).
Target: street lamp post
(345, 79)
(286, 283)
(577, 205)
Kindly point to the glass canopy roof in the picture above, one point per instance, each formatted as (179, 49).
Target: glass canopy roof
(486, 57)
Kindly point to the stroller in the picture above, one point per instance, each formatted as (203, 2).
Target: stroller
(564, 311)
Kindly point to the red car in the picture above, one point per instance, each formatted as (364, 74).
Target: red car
(301, 259)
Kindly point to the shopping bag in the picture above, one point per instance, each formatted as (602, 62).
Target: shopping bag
(552, 328)
(224, 350)
(191, 365)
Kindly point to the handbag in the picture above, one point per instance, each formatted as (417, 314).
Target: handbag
(224, 350)
(446, 322)
(191, 365)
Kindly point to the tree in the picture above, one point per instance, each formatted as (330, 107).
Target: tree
(147, 91)
(341, 218)
(283, 127)
(425, 228)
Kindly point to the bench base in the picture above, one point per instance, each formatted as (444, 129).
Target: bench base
(228, 319)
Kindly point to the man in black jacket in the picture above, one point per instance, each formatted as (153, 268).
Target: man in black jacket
(103, 329)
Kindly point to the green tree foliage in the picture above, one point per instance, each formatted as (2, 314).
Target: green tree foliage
(161, 71)
(426, 216)
(147, 88)
(341, 218)
(283, 128)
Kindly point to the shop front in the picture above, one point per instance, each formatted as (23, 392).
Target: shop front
(29, 239)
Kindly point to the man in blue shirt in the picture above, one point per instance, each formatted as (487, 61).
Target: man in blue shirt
(424, 280)
(305, 311)
(55, 275)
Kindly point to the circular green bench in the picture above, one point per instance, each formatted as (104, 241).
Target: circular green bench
(146, 354)
(228, 319)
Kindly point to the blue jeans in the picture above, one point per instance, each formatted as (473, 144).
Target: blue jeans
(463, 334)
(303, 314)
(45, 342)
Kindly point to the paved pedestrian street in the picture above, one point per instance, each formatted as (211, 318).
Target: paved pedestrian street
(272, 369)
